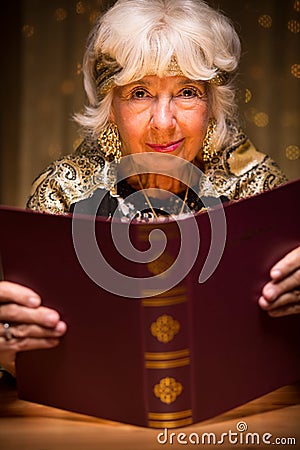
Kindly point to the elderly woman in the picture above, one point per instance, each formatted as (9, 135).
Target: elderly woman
(159, 79)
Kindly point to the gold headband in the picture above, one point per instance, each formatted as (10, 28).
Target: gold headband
(106, 68)
(104, 71)
(222, 77)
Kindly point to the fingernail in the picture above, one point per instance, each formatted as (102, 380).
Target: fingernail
(263, 302)
(276, 273)
(270, 292)
(61, 327)
(51, 319)
(34, 301)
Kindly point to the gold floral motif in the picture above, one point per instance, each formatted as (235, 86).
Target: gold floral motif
(168, 390)
(165, 328)
(161, 264)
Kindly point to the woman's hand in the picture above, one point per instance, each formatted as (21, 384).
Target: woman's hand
(24, 323)
(281, 295)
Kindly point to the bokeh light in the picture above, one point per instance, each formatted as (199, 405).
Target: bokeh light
(248, 95)
(265, 21)
(297, 5)
(294, 26)
(27, 31)
(79, 69)
(261, 119)
(80, 7)
(94, 16)
(292, 152)
(60, 14)
(295, 70)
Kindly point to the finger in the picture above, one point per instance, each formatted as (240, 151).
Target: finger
(263, 303)
(286, 265)
(285, 310)
(34, 331)
(11, 312)
(272, 290)
(17, 345)
(289, 298)
(18, 294)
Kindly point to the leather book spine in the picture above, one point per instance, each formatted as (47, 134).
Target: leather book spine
(166, 332)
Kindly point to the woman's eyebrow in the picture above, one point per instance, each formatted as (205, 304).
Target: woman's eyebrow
(139, 82)
(189, 81)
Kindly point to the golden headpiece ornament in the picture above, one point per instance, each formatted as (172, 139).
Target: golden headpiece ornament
(104, 71)
(107, 67)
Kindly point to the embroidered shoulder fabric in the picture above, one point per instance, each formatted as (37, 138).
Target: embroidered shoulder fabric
(240, 170)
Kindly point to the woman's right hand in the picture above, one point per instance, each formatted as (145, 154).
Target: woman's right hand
(25, 324)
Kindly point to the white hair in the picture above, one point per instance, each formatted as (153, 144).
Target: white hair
(144, 35)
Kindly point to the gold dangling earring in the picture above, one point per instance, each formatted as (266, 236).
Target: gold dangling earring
(208, 152)
(109, 140)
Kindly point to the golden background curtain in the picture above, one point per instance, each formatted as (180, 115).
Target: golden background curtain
(41, 82)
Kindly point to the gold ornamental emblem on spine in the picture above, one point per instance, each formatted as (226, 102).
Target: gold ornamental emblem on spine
(165, 328)
(161, 264)
(168, 390)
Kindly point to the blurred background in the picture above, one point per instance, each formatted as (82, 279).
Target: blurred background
(43, 42)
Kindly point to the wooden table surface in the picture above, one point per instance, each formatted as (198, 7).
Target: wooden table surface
(28, 426)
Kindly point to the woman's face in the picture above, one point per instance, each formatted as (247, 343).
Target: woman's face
(161, 115)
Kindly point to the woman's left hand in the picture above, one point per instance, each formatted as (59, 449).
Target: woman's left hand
(281, 295)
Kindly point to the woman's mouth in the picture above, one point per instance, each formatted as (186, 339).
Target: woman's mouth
(166, 148)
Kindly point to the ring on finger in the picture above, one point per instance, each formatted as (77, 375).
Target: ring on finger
(8, 336)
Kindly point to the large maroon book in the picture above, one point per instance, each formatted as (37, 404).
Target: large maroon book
(150, 356)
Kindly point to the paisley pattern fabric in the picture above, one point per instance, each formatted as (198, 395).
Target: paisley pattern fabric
(237, 171)
(241, 170)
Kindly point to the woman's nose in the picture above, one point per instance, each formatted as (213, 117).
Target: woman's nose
(163, 114)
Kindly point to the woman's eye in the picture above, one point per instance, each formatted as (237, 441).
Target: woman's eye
(187, 92)
(139, 93)
(191, 93)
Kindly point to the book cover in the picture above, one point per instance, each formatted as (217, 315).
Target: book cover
(147, 355)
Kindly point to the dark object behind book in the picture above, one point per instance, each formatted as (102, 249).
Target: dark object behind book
(221, 350)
